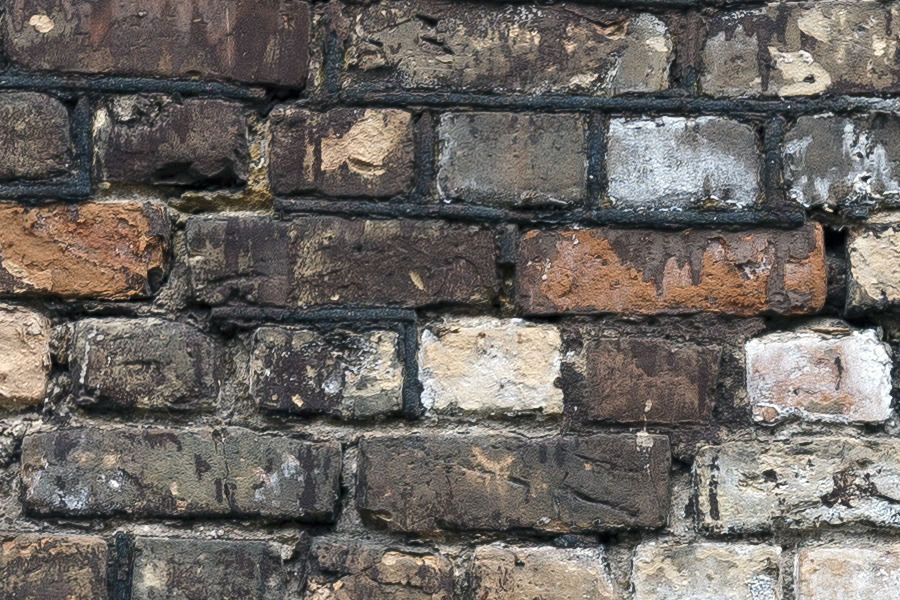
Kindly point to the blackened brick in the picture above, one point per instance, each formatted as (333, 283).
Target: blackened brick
(34, 135)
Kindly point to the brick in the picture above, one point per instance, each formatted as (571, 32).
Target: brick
(148, 364)
(34, 135)
(678, 163)
(809, 48)
(874, 252)
(47, 567)
(338, 373)
(486, 365)
(502, 572)
(179, 474)
(706, 571)
(106, 250)
(798, 483)
(344, 569)
(342, 152)
(162, 140)
(24, 356)
(640, 380)
(242, 40)
(315, 261)
(824, 372)
(661, 272)
(442, 45)
(510, 159)
(502, 482)
(841, 572)
(182, 568)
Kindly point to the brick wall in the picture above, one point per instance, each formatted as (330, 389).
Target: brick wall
(449, 300)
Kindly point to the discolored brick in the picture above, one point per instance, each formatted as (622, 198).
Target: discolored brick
(24, 356)
(34, 135)
(49, 567)
(838, 572)
(873, 283)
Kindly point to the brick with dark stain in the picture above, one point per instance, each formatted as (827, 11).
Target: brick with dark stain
(34, 135)
(52, 567)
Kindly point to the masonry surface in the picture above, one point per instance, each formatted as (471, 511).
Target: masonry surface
(449, 300)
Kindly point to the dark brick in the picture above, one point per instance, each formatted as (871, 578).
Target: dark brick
(316, 261)
(342, 152)
(171, 473)
(427, 483)
(34, 135)
(145, 363)
(159, 140)
(47, 567)
(242, 40)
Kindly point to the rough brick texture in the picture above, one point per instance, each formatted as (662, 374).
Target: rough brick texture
(24, 356)
(838, 571)
(34, 133)
(35, 567)
(873, 279)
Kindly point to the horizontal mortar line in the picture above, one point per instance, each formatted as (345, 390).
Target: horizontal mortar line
(103, 83)
(403, 315)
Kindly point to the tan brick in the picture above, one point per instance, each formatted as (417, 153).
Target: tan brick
(44, 567)
(874, 281)
(839, 572)
(24, 355)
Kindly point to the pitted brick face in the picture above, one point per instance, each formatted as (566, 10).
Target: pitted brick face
(34, 135)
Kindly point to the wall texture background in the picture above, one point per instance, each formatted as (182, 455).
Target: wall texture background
(432, 300)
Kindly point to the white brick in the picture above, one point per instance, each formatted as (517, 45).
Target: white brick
(24, 356)
(847, 573)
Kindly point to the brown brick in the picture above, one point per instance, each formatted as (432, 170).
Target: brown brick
(242, 40)
(111, 250)
(34, 135)
(159, 140)
(342, 152)
(182, 474)
(658, 272)
(426, 483)
(24, 356)
(45, 567)
(315, 261)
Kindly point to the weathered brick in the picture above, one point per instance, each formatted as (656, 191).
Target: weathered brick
(34, 135)
(167, 141)
(809, 48)
(798, 483)
(226, 569)
(661, 272)
(343, 569)
(487, 365)
(184, 474)
(314, 261)
(874, 252)
(342, 152)
(24, 356)
(640, 380)
(242, 40)
(149, 364)
(442, 45)
(824, 372)
(339, 373)
(705, 571)
(682, 163)
(111, 250)
(426, 483)
(509, 159)
(842, 572)
(46, 567)
(502, 572)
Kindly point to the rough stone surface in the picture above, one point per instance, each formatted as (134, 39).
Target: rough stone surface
(509, 159)
(145, 364)
(110, 250)
(706, 571)
(339, 373)
(315, 261)
(502, 572)
(801, 49)
(46, 567)
(425, 483)
(184, 474)
(442, 45)
(488, 365)
(847, 572)
(660, 272)
(34, 135)
(633, 380)
(679, 163)
(346, 569)
(800, 483)
(874, 282)
(342, 152)
(224, 569)
(827, 372)
(242, 40)
(162, 140)
(24, 356)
